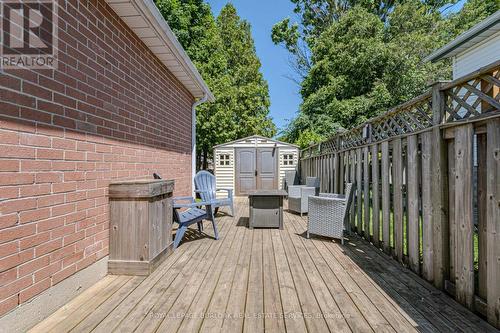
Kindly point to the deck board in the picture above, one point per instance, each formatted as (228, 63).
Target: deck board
(266, 280)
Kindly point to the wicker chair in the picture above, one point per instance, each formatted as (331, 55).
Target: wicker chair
(291, 178)
(328, 213)
(298, 195)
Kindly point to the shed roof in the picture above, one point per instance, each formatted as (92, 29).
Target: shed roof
(146, 21)
(254, 137)
(468, 39)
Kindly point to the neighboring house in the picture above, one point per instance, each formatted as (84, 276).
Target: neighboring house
(253, 163)
(476, 48)
(473, 49)
(119, 106)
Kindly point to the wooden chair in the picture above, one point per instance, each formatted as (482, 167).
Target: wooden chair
(205, 184)
(191, 214)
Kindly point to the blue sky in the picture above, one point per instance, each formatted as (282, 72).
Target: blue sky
(262, 15)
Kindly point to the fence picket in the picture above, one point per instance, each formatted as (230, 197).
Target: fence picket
(397, 174)
(413, 204)
(366, 192)
(464, 258)
(359, 191)
(493, 221)
(386, 200)
(427, 239)
(375, 196)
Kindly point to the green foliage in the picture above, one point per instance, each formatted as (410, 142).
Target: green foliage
(307, 138)
(368, 56)
(224, 53)
(286, 33)
(249, 91)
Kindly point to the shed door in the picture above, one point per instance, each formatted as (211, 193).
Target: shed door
(256, 169)
(245, 170)
(267, 168)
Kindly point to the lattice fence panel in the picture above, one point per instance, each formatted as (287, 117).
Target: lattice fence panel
(474, 98)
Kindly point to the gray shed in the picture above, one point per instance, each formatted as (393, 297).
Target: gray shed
(253, 163)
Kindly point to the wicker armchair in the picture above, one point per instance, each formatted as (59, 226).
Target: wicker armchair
(328, 213)
(298, 195)
(291, 178)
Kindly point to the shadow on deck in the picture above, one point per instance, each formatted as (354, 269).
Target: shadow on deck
(251, 280)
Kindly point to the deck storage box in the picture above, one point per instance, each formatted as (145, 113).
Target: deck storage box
(140, 225)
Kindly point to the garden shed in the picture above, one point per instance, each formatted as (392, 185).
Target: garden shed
(253, 163)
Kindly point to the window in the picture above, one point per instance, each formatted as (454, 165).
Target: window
(288, 159)
(224, 159)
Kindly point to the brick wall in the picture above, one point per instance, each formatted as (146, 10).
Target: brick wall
(110, 111)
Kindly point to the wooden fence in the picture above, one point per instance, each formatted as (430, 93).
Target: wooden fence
(427, 175)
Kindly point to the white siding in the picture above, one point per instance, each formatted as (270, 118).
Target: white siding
(224, 173)
(472, 59)
(282, 167)
(478, 56)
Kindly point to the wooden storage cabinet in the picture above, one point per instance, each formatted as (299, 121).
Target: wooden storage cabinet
(140, 225)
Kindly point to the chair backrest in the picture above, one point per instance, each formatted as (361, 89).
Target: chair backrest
(312, 182)
(204, 181)
(349, 191)
(291, 178)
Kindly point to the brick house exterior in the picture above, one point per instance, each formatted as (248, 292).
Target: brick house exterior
(112, 110)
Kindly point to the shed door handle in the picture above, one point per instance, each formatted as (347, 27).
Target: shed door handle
(256, 172)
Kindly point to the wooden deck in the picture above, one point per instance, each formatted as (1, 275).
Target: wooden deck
(262, 279)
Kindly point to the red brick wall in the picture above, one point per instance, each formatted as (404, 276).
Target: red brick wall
(110, 111)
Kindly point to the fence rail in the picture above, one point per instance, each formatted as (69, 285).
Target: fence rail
(428, 185)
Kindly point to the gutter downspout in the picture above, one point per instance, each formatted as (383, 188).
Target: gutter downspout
(193, 138)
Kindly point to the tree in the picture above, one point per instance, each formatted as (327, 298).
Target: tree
(240, 107)
(249, 91)
(368, 57)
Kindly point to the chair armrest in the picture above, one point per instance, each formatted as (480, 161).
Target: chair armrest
(332, 195)
(192, 205)
(190, 199)
(201, 191)
(228, 190)
(191, 202)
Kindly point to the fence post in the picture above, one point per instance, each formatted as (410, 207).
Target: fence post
(439, 189)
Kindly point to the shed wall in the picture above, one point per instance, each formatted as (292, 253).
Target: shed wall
(283, 168)
(224, 173)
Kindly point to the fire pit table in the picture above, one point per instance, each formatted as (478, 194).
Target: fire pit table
(266, 208)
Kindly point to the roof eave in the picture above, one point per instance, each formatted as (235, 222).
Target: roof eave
(155, 21)
(252, 137)
(447, 50)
